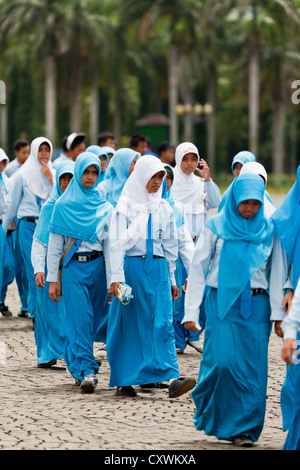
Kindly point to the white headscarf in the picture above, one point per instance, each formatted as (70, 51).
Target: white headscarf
(188, 189)
(258, 169)
(136, 202)
(31, 169)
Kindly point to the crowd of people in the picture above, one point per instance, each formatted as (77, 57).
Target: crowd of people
(113, 245)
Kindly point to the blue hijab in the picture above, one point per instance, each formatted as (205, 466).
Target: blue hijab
(42, 231)
(287, 226)
(247, 242)
(2, 183)
(81, 212)
(243, 157)
(99, 151)
(167, 195)
(117, 173)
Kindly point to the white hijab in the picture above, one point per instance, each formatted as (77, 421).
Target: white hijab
(37, 182)
(188, 189)
(258, 169)
(136, 202)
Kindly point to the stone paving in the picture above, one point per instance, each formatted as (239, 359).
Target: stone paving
(43, 410)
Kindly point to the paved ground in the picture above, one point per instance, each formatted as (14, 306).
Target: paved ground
(43, 410)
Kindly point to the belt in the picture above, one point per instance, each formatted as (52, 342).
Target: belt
(30, 219)
(84, 257)
(258, 291)
(154, 256)
(0, 221)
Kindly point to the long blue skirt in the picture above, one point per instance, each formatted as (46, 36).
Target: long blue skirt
(84, 290)
(230, 395)
(140, 336)
(287, 395)
(49, 330)
(2, 248)
(8, 270)
(26, 231)
(292, 441)
(181, 333)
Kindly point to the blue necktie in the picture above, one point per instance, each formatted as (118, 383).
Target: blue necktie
(246, 302)
(71, 252)
(149, 256)
(39, 202)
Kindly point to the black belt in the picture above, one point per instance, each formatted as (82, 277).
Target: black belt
(0, 222)
(144, 256)
(84, 257)
(258, 291)
(30, 219)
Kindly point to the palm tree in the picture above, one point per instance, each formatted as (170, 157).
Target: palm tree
(248, 14)
(178, 18)
(73, 29)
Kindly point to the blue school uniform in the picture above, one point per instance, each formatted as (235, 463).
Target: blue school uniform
(232, 257)
(117, 174)
(287, 225)
(82, 214)
(140, 336)
(4, 204)
(29, 191)
(49, 319)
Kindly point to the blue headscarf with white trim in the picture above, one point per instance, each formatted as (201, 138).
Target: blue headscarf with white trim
(117, 173)
(81, 212)
(99, 151)
(247, 242)
(42, 231)
(287, 225)
(167, 195)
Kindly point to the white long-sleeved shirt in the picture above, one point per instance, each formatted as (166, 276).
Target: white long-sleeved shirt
(291, 323)
(213, 197)
(4, 201)
(12, 167)
(206, 262)
(58, 244)
(165, 242)
(23, 201)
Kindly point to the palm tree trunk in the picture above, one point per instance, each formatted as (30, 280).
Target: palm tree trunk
(94, 111)
(173, 93)
(278, 135)
(50, 97)
(211, 119)
(253, 94)
(76, 102)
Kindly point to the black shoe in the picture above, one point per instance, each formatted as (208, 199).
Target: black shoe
(155, 385)
(47, 365)
(23, 314)
(242, 441)
(5, 310)
(126, 391)
(180, 386)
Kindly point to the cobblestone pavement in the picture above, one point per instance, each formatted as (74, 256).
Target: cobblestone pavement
(43, 410)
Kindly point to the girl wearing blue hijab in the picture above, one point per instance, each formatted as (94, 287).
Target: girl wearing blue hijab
(233, 258)
(287, 226)
(103, 156)
(185, 254)
(48, 329)
(239, 160)
(81, 214)
(117, 173)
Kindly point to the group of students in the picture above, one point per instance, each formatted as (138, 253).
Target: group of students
(98, 220)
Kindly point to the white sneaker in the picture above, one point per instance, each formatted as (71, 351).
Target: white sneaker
(89, 383)
(196, 345)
